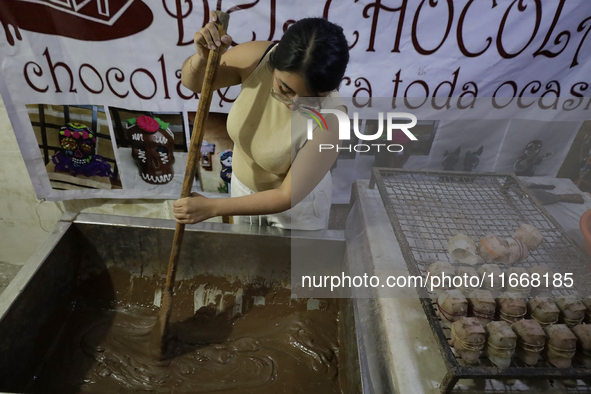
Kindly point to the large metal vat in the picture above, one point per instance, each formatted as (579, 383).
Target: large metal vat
(83, 245)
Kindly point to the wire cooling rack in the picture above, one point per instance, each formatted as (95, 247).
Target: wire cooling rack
(427, 208)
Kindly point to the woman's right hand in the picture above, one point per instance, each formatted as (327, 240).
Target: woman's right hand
(208, 38)
(193, 209)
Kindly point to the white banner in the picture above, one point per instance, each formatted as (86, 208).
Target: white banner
(106, 65)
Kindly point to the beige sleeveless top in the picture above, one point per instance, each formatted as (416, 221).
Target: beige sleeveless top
(261, 128)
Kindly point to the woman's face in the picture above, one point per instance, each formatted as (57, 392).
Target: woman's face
(289, 86)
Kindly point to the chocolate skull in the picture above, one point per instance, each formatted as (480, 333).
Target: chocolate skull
(152, 149)
(78, 142)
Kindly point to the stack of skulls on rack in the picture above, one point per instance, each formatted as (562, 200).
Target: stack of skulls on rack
(587, 302)
(583, 334)
(531, 340)
(468, 338)
(572, 310)
(501, 343)
(77, 155)
(482, 306)
(561, 345)
(543, 310)
(451, 307)
(512, 307)
(152, 149)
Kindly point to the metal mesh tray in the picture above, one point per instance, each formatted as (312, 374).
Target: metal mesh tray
(426, 208)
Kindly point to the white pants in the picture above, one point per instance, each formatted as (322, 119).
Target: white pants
(311, 213)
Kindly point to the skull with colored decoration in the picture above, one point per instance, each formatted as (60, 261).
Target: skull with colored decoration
(77, 155)
(78, 142)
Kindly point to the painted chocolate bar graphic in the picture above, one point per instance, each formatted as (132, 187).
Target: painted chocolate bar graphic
(103, 8)
(88, 20)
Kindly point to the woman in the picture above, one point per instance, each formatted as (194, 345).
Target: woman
(274, 167)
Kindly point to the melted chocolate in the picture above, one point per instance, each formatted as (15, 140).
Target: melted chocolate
(280, 347)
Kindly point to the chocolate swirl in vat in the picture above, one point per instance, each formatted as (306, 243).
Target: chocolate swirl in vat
(123, 353)
(275, 348)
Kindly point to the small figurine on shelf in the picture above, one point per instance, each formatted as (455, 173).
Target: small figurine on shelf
(531, 158)
(207, 151)
(472, 159)
(226, 161)
(77, 154)
(450, 159)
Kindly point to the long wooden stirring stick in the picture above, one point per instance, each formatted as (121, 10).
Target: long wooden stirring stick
(193, 157)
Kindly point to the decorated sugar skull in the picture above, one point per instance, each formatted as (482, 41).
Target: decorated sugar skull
(152, 149)
(78, 142)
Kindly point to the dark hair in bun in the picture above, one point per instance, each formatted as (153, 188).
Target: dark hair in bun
(316, 49)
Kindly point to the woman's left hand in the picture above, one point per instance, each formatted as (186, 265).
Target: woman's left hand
(193, 209)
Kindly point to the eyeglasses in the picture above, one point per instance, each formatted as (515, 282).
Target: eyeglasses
(297, 106)
(283, 98)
